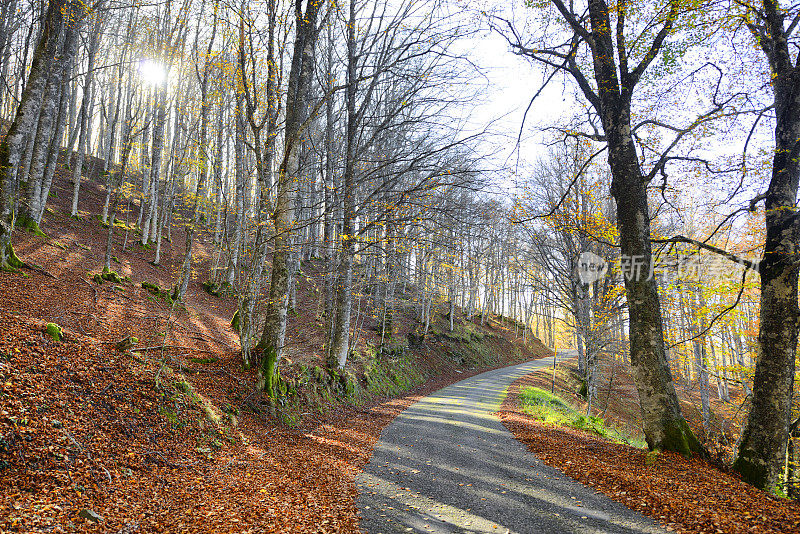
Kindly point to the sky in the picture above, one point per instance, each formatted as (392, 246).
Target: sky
(508, 82)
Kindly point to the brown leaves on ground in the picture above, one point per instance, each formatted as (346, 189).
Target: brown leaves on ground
(83, 426)
(161, 441)
(685, 495)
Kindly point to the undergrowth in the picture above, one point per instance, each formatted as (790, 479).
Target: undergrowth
(554, 410)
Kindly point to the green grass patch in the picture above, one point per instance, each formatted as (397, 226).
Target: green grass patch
(553, 410)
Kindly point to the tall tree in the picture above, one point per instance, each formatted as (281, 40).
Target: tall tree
(762, 450)
(618, 62)
(23, 125)
(298, 95)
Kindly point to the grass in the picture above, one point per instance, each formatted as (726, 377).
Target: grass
(553, 410)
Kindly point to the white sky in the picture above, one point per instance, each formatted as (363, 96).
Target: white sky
(509, 84)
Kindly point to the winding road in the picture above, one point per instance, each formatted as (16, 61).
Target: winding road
(447, 464)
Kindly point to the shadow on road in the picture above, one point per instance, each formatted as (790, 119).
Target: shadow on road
(447, 464)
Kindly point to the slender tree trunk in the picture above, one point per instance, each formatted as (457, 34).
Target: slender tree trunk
(297, 103)
(84, 116)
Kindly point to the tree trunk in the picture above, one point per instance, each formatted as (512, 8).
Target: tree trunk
(297, 104)
(13, 145)
(762, 449)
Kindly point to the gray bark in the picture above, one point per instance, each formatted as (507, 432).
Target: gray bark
(762, 450)
(13, 145)
(297, 104)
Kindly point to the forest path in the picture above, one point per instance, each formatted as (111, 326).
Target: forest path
(447, 464)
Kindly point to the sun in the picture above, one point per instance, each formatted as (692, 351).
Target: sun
(152, 72)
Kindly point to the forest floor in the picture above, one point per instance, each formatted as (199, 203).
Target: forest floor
(685, 495)
(169, 437)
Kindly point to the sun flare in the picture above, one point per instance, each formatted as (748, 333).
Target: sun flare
(152, 72)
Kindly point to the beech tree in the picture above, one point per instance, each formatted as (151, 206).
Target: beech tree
(297, 109)
(619, 60)
(762, 450)
(24, 124)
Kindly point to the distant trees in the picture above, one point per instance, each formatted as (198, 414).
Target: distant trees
(579, 219)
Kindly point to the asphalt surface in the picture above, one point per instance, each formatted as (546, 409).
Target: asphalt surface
(447, 464)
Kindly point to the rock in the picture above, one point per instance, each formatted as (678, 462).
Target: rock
(91, 515)
(111, 276)
(58, 424)
(126, 343)
(54, 331)
(652, 457)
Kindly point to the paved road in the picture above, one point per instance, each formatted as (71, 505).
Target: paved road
(447, 464)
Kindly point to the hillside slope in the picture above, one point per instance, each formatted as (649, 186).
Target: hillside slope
(170, 436)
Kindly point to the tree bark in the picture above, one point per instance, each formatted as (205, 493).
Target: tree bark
(762, 449)
(297, 104)
(13, 145)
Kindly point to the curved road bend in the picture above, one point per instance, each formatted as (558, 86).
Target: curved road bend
(447, 464)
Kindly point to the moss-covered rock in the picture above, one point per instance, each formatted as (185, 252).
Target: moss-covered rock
(54, 331)
(127, 343)
(111, 276)
(155, 290)
(236, 322)
(212, 288)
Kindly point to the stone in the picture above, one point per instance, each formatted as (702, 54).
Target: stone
(91, 515)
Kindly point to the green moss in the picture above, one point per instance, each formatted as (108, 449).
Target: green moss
(751, 469)
(350, 385)
(269, 374)
(12, 264)
(236, 321)
(678, 437)
(390, 375)
(54, 331)
(651, 458)
(111, 276)
(98, 278)
(157, 291)
(27, 223)
(212, 288)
